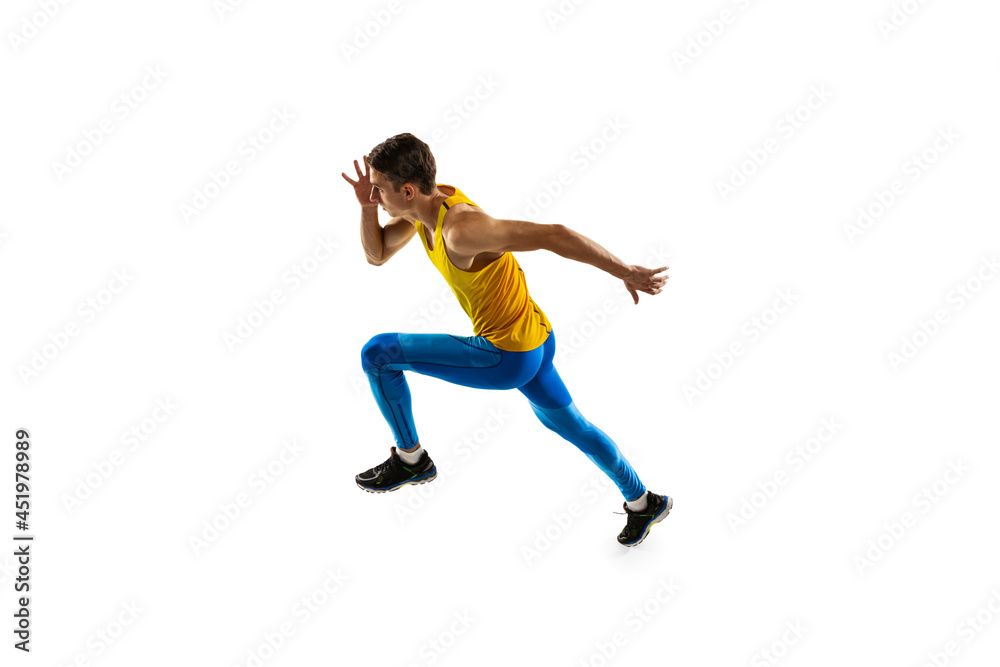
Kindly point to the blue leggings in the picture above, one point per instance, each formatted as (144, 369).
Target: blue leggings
(474, 361)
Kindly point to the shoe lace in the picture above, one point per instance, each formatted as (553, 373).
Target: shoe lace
(385, 465)
(636, 515)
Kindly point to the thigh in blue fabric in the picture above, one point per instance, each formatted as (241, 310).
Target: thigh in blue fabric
(471, 361)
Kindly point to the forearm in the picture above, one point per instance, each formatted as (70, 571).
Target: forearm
(371, 234)
(571, 244)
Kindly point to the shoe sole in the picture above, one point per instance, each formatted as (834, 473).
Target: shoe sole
(420, 480)
(659, 517)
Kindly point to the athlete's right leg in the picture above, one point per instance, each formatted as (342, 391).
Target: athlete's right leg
(551, 402)
(554, 407)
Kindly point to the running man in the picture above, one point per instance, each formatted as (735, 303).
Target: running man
(513, 345)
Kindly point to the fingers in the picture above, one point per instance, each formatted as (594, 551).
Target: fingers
(357, 168)
(648, 281)
(652, 273)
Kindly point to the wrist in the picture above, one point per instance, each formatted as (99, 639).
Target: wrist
(622, 272)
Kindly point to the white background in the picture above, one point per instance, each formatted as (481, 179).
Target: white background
(518, 539)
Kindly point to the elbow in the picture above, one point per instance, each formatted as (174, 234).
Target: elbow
(374, 262)
(558, 236)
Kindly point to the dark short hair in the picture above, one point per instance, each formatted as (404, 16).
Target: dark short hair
(405, 159)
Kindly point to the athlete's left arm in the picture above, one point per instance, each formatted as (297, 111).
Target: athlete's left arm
(473, 232)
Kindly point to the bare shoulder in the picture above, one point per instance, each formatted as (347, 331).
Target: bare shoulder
(464, 232)
(464, 218)
(467, 227)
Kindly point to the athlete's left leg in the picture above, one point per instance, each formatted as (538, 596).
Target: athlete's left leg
(471, 361)
(553, 405)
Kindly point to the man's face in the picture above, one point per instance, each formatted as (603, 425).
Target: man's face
(383, 194)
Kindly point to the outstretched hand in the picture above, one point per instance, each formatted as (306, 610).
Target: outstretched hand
(641, 279)
(362, 186)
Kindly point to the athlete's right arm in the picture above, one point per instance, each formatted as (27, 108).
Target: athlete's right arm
(381, 243)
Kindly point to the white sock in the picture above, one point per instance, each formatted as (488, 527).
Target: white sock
(409, 457)
(638, 504)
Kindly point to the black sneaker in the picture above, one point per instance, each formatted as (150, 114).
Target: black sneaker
(394, 473)
(639, 523)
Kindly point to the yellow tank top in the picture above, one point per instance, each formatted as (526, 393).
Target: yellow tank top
(495, 298)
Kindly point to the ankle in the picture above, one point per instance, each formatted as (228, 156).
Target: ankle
(410, 456)
(638, 504)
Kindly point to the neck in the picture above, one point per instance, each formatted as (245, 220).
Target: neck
(426, 210)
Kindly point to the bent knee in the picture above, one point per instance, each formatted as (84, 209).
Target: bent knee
(565, 420)
(380, 350)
